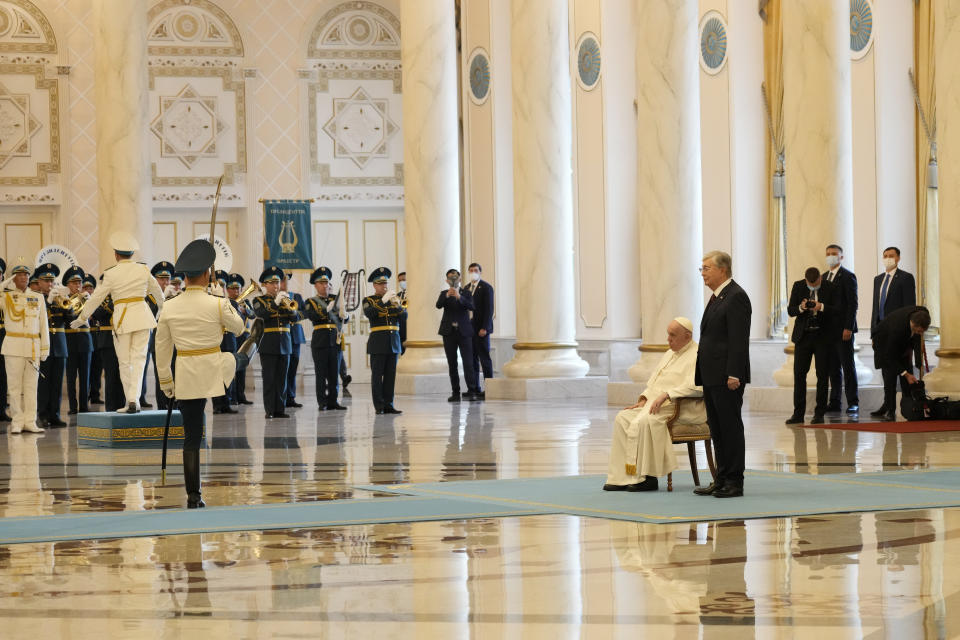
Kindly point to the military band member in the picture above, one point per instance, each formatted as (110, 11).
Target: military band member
(402, 296)
(162, 272)
(297, 338)
(193, 323)
(96, 365)
(327, 321)
(50, 386)
(4, 417)
(79, 350)
(237, 392)
(277, 314)
(176, 282)
(228, 344)
(384, 311)
(25, 346)
(113, 398)
(129, 283)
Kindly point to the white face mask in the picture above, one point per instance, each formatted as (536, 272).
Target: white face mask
(833, 261)
(474, 275)
(889, 263)
(403, 285)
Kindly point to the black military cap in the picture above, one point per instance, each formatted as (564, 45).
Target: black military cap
(273, 274)
(73, 273)
(177, 276)
(3, 265)
(162, 269)
(322, 274)
(89, 280)
(196, 258)
(47, 271)
(235, 281)
(380, 274)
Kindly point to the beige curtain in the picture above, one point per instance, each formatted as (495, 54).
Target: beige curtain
(927, 210)
(776, 218)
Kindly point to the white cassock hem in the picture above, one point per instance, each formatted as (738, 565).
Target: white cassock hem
(641, 440)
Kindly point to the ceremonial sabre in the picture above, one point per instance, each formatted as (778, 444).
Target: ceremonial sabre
(166, 432)
(213, 226)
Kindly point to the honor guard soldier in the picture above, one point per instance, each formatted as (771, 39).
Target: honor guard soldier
(235, 282)
(96, 365)
(193, 323)
(129, 283)
(50, 388)
(79, 349)
(4, 404)
(277, 313)
(297, 338)
(176, 282)
(228, 344)
(327, 321)
(103, 345)
(383, 310)
(25, 347)
(162, 272)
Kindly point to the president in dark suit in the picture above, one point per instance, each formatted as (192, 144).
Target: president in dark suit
(482, 319)
(813, 302)
(892, 289)
(723, 369)
(897, 344)
(457, 332)
(843, 370)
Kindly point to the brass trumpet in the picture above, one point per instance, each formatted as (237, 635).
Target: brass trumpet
(252, 288)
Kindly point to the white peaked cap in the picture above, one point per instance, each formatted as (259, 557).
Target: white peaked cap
(124, 241)
(685, 323)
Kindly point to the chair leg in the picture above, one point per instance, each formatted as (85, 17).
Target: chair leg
(693, 463)
(708, 447)
(669, 482)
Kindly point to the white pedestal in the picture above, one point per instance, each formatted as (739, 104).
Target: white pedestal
(546, 388)
(425, 384)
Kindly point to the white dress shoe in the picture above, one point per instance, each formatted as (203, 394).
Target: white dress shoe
(16, 429)
(32, 428)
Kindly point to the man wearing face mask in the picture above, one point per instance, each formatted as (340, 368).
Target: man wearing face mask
(482, 319)
(893, 289)
(402, 296)
(813, 302)
(457, 332)
(843, 372)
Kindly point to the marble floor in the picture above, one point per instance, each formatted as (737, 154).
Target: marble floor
(875, 575)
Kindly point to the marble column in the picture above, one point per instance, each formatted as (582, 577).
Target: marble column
(818, 139)
(946, 377)
(668, 179)
(121, 100)
(431, 173)
(543, 193)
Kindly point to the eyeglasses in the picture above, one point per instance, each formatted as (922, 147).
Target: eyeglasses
(705, 268)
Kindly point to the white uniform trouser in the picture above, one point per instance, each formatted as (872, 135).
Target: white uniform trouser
(641, 440)
(22, 390)
(132, 355)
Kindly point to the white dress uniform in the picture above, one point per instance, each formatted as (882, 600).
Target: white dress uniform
(194, 322)
(129, 283)
(641, 440)
(27, 343)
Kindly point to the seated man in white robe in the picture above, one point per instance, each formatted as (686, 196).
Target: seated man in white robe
(642, 449)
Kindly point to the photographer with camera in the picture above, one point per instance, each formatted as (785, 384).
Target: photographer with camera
(813, 302)
(457, 332)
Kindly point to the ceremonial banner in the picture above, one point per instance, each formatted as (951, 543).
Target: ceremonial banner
(287, 241)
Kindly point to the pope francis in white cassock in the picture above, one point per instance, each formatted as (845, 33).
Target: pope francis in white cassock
(642, 449)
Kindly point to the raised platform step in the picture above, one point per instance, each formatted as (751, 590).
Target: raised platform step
(130, 430)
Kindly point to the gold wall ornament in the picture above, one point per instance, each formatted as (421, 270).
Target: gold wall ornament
(288, 237)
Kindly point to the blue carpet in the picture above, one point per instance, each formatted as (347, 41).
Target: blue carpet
(767, 495)
(296, 515)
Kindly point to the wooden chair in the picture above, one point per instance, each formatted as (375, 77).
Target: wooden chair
(690, 434)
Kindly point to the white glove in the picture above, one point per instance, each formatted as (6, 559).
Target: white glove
(86, 295)
(216, 290)
(77, 323)
(330, 306)
(278, 298)
(168, 389)
(169, 291)
(389, 295)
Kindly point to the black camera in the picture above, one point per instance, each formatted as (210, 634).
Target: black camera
(811, 304)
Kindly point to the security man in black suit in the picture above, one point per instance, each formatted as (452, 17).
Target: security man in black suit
(482, 319)
(237, 393)
(96, 365)
(892, 289)
(79, 351)
(457, 332)
(163, 272)
(843, 371)
(814, 303)
(228, 344)
(275, 309)
(50, 387)
(297, 338)
(723, 369)
(322, 311)
(383, 310)
(898, 337)
(4, 416)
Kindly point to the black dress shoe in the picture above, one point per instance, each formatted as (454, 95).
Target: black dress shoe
(345, 380)
(96, 401)
(229, 410)
(72, 412)
(473, 396)
(269, 416)
(879, 413)
(336, 407)
(198, 504)
(293, 404)
(817, 419)
(281, 415)
(707, 490)
(380, 412)
(615, 487)
(834, 408)
(649, 484)
(391, 409)
(55, 423)
(729, 491)
(889, 416)
(145, 405)
(853, 409)
(794, 419)
(4, 417)
(454, 397)
(245, 402)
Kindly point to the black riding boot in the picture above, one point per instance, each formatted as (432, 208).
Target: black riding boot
(191, 478)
